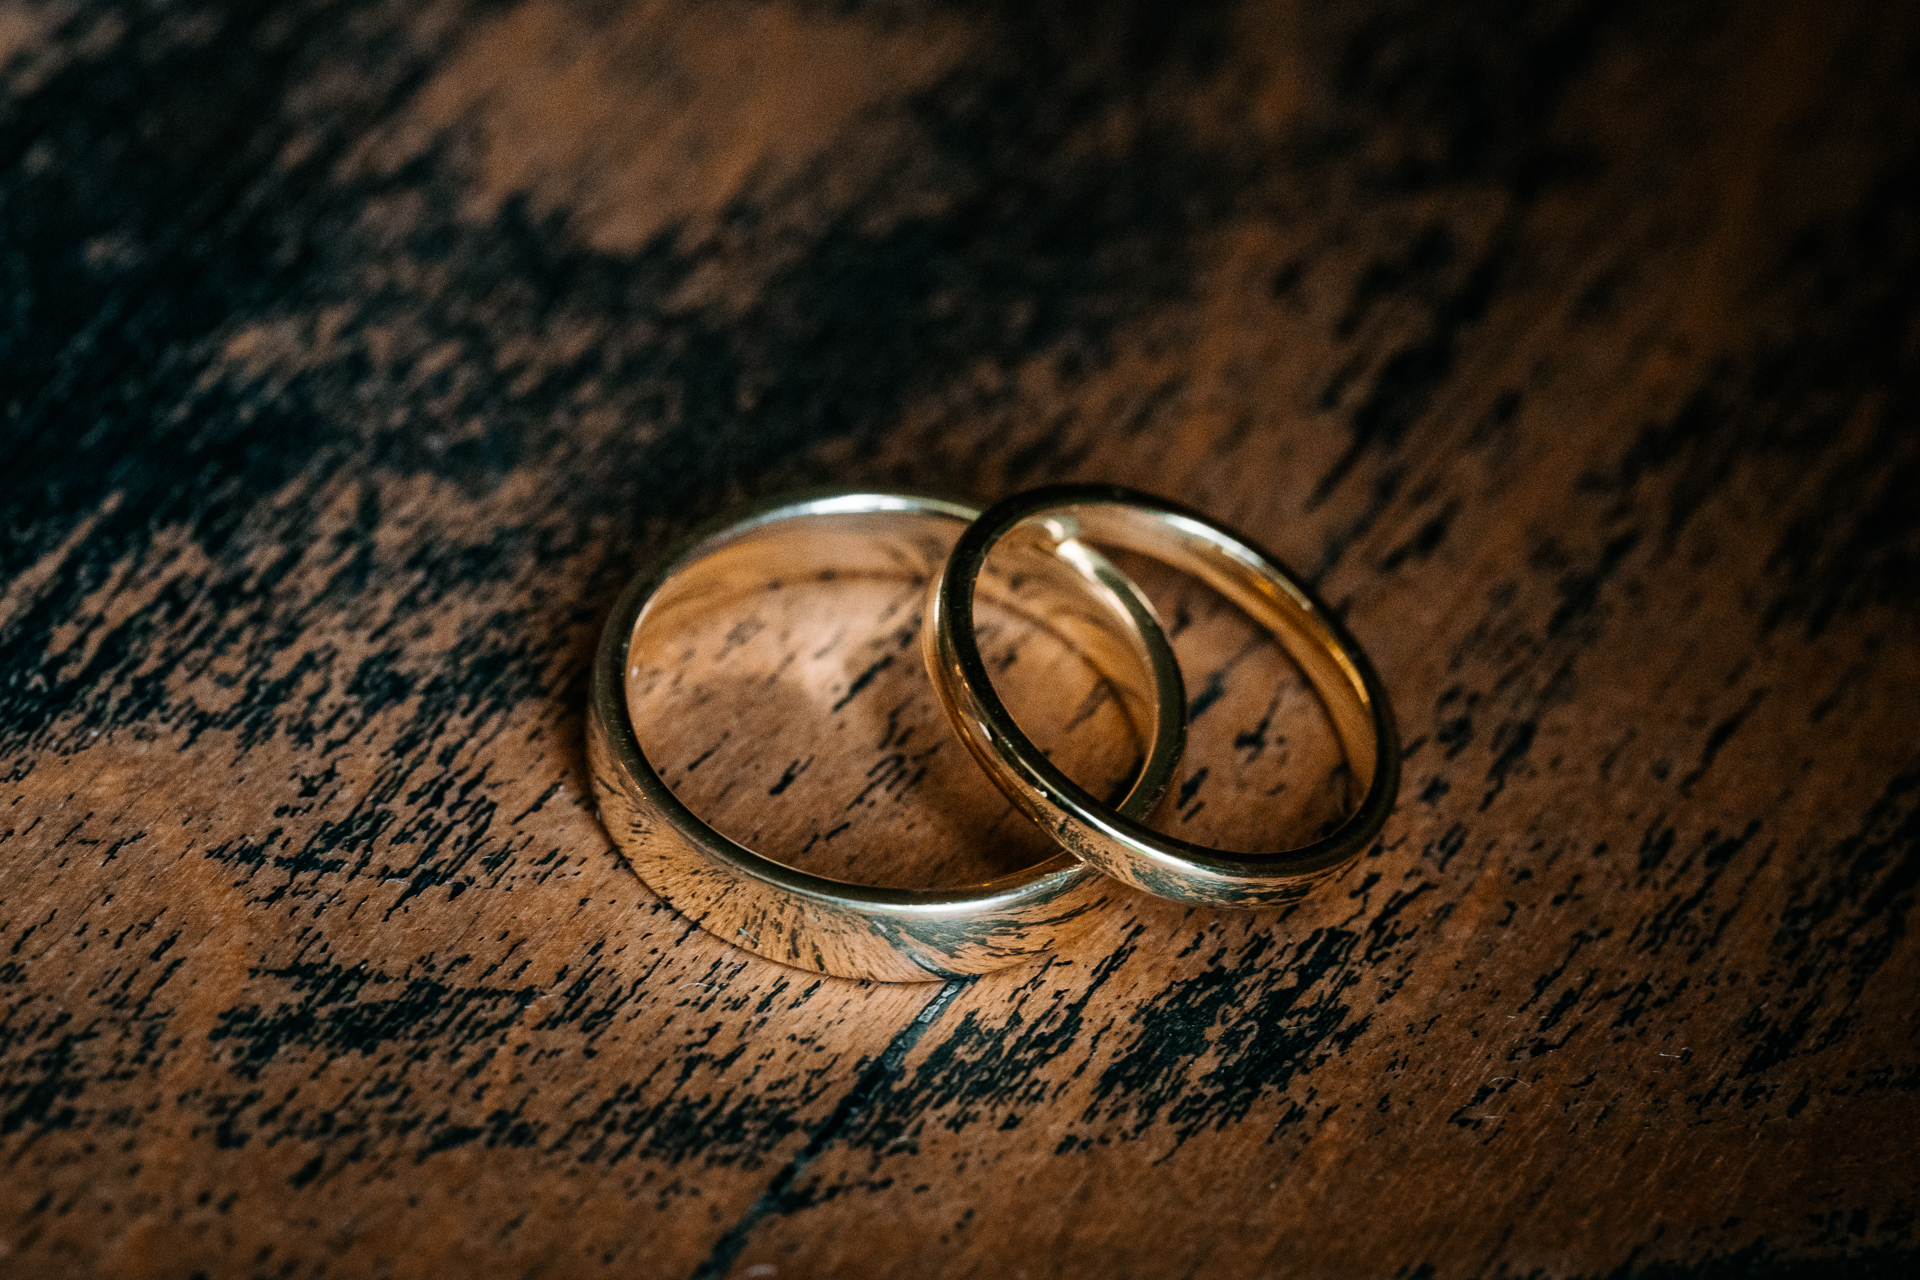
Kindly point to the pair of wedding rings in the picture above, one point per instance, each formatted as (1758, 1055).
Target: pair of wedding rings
(904, 935)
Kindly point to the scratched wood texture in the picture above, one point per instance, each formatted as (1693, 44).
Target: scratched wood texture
(353, 354)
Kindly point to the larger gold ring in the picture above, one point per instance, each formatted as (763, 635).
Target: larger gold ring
(831, 926)
(1118, 843)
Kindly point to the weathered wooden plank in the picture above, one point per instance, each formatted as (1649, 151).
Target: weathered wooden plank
(356, 354)
(286, 707)
(235, 1038)
(1610, 993)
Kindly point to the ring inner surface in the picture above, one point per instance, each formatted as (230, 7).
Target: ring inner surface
(1279, 748)
(775, 684)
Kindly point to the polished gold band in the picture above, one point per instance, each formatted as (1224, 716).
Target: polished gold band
(1118, 843)
(831, 926)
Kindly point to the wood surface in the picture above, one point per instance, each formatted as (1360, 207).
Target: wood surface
(353, 355)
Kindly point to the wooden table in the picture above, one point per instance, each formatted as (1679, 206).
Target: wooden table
(355, 355)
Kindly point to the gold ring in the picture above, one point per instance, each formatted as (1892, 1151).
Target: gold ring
(830, 926)
(1119, 843)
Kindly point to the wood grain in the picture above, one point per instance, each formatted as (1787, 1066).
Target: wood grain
(356, 354)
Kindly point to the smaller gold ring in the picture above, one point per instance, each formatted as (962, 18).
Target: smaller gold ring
(831, 926)
(1120, 844)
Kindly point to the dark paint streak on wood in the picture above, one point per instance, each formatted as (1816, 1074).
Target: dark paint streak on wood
(871, 1084)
